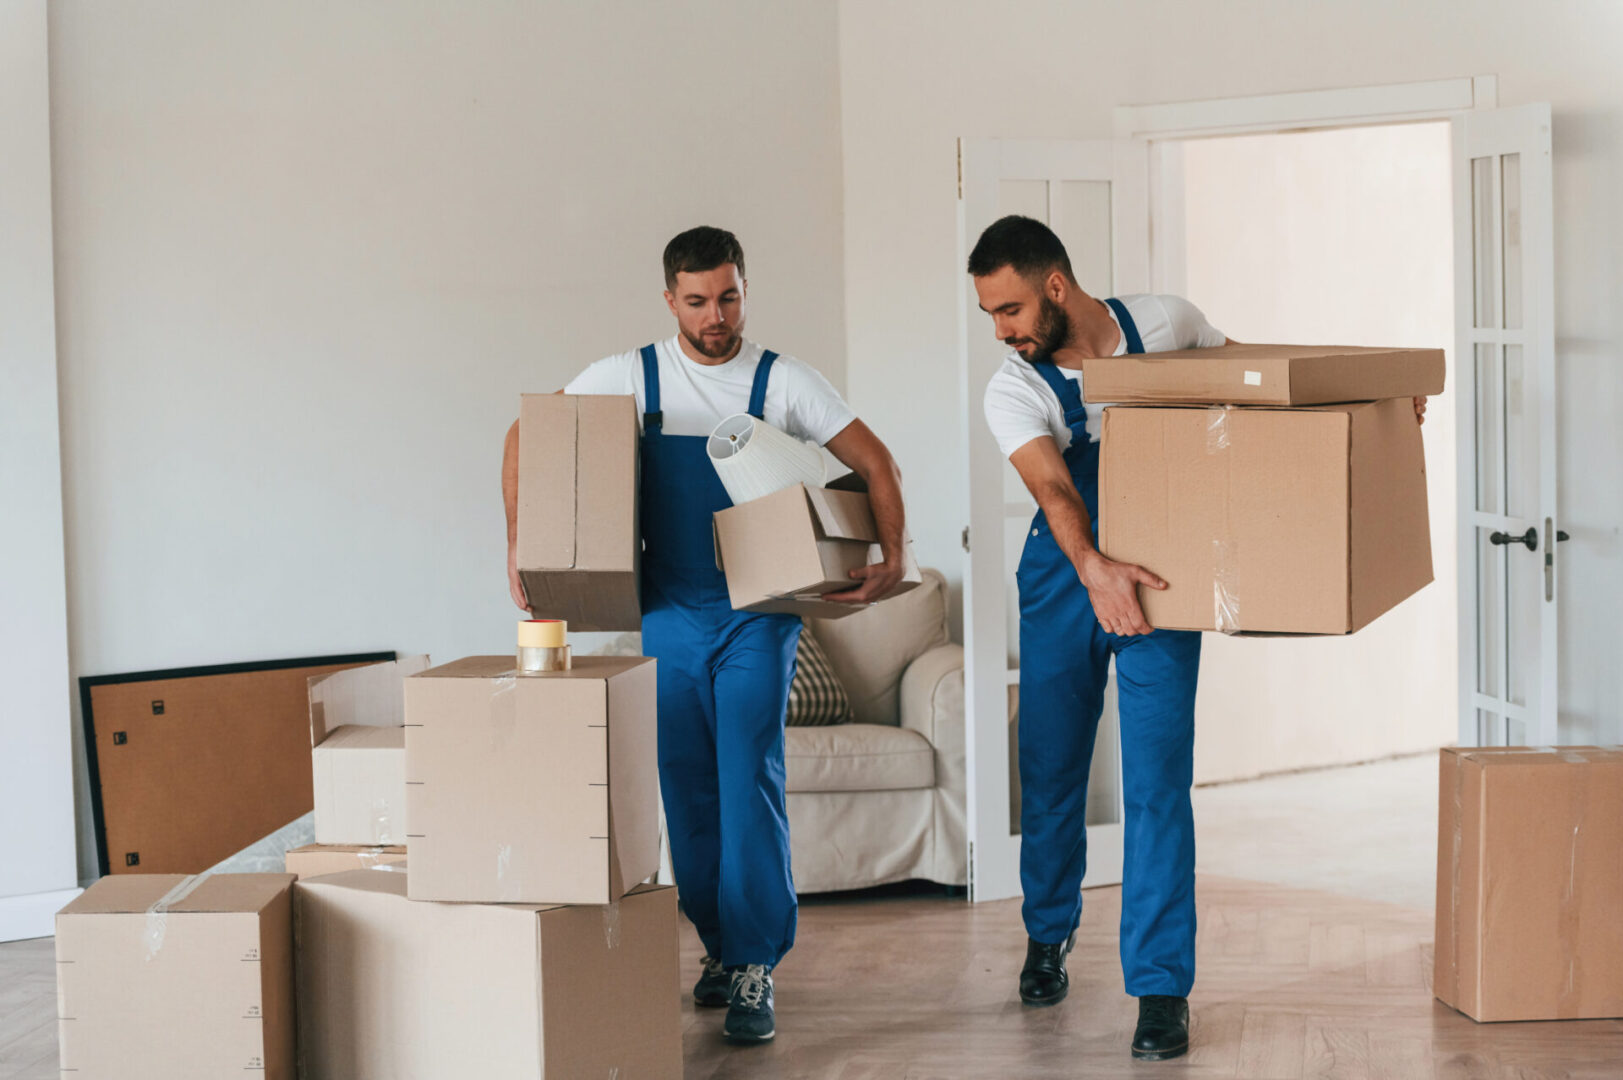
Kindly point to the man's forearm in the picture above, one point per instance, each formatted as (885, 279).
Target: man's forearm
(1068, 520)
(885, 496)
(510, 483)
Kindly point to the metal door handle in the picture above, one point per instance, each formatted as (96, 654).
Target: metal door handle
(1530, 538)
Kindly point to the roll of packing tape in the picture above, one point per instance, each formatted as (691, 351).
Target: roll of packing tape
(754, 459)
(543, 646)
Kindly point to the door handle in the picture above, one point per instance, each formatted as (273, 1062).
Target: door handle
(1530, 538)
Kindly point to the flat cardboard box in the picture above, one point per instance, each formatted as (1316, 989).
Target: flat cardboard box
(782, 552)
(314, 860)
(198, 986)
(1307, 520)
(1530, 882)
(579, 551)
(1264, 375)
(393, 988)
(535, 788)
(358, 751)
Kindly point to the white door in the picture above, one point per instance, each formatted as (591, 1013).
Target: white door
(1095, 195)
(1505, 367)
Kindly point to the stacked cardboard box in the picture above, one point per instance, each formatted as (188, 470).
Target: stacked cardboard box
(357, 753)
(1275, 488)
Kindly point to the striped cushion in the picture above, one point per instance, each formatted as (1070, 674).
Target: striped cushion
(816, 697)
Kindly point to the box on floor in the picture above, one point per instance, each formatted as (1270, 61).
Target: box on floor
(391, 987)
(162, 976)
(1530, 882)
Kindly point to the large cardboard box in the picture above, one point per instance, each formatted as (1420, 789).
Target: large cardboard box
(358, 753)
(1267, 520)
(782, 552)
(579, 551)
(1530, 882)
(537, 788)
(393, 988)
(313, 860)
(168, 977)
(1264, 375)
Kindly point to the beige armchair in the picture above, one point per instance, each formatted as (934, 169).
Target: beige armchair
(883, 799)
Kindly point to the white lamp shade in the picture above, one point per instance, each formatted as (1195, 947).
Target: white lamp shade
(754, 459)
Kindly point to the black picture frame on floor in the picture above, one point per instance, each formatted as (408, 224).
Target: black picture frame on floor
(88, 720)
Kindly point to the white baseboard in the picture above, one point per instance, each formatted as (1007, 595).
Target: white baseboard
(32, 915)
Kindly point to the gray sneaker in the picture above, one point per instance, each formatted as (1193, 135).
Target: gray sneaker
(712, 989)
(750, 1018)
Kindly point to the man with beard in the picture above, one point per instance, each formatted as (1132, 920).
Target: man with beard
(723, 675)
(1077, 610)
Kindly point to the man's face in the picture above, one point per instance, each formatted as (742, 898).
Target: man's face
(709, 309)
(1023, 317)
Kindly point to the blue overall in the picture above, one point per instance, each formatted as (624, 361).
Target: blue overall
(1064, 660)
(723, 686)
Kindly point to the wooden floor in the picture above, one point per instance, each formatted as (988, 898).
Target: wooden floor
(922, 987)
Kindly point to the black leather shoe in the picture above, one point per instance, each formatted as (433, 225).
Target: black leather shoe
(711, 991)
(1163, 1028)
(1043, 980)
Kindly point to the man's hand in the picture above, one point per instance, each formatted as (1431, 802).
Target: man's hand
(1420, 410)
(514, 585)
(877, 579)
(1113, 588)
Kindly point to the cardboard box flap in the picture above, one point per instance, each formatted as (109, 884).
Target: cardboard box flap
(124, 894)
(843, 515)
(547, 445)
(364, 737)
(369, 695)
(494, 667)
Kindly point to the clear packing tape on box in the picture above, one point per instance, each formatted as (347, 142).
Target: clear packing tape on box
(1225, 557)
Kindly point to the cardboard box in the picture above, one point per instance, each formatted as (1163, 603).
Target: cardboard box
(1264, 375)
(314, 860)
(163, 976)
(358, 753)
(579, 551)
(536, 788)
(1530, 883)
(392, 988)
(783, 551)
(1262, 520)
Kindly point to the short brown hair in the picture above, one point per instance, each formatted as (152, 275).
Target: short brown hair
(700, 249)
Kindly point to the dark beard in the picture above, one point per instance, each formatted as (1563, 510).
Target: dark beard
(712, 352)
(1053, 328)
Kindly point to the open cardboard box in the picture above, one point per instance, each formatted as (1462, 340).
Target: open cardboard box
(783, 551)
(358, 752)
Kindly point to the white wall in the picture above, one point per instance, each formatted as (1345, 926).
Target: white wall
(36, 785)
(1345, 237)
(310, 253)
(917, 75)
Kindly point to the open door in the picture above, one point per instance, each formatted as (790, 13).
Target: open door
(1505, 371)
(1095, 195)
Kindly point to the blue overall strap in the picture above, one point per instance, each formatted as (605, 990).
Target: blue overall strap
(763, 372)
(1129, 328)
(1069, 394)
(652, 418)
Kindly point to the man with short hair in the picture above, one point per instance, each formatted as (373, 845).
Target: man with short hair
(1078, 609)
(723, 675)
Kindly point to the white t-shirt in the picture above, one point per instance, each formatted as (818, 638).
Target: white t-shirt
(1021, 406)
(695, 397)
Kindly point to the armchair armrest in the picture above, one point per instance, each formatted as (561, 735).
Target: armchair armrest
(932, 702)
